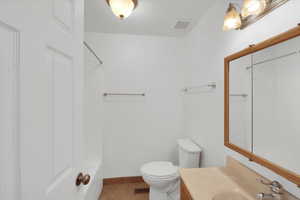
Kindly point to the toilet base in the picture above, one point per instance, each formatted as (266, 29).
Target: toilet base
(157, 195)
(172, 194)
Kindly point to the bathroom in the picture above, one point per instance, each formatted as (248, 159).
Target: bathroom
(83, 91)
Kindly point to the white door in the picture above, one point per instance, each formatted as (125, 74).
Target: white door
(41, 78)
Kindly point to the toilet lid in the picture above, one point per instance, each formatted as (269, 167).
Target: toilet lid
(160, 169)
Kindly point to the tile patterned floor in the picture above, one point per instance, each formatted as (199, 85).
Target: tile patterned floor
(123, 192)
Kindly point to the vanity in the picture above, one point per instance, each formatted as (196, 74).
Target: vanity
(232, 182)
(262, 117)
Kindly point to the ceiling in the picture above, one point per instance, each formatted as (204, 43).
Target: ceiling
(151, 17)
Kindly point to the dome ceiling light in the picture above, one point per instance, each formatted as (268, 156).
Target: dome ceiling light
(249, 13)
(122, 8)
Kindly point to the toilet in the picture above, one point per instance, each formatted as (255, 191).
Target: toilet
(163, 176)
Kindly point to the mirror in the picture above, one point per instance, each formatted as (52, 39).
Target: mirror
(276, 104)
(240, 127)
(262, 103)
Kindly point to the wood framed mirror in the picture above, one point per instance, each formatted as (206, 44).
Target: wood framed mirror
(262, 103)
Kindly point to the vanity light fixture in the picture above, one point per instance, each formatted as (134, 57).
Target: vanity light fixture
(248, 13)
(122, 8)
(232, 18)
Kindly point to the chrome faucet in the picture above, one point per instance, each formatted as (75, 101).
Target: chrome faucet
(276, 191)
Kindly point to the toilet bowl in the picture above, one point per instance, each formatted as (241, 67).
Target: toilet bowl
(163, 178)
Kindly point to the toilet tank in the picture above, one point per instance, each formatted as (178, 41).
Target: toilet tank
(189, 154)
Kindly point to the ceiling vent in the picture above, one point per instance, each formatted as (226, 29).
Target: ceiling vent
(181, 25)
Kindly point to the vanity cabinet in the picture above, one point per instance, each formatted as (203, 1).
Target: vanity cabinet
(184, 193)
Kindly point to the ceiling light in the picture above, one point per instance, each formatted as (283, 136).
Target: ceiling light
(232, 19)
(253, 7)
(122, 8)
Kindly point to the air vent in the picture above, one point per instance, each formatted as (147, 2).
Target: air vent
(181, 25)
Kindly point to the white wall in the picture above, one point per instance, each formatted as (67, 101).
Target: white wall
(206, 46)
(140, 129)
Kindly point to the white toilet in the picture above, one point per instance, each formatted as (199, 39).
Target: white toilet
(163, 176)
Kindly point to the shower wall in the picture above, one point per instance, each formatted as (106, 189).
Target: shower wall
(139, 129)
(93, 110)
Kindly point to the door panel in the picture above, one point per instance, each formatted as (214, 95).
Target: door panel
(63, 11)
(9, 130)
(61, 109)
(43, 38)
(62, 113)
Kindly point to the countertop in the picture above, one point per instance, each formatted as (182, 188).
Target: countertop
(205, 183)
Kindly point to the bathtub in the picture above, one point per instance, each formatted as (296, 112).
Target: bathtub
(93, 190)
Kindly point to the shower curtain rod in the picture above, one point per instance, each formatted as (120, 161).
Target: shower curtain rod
(272, 59)
(93, 52)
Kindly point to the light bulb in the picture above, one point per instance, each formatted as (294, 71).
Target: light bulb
(232, 19)
(253, 7)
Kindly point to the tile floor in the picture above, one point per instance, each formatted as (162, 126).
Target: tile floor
(123, 192)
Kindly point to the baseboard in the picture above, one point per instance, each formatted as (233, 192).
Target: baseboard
(120, 180)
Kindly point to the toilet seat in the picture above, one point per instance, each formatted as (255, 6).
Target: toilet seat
(160, 171)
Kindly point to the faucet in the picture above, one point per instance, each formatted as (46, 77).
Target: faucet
(276, 191)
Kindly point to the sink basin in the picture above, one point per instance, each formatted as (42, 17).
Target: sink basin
(229, 196)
